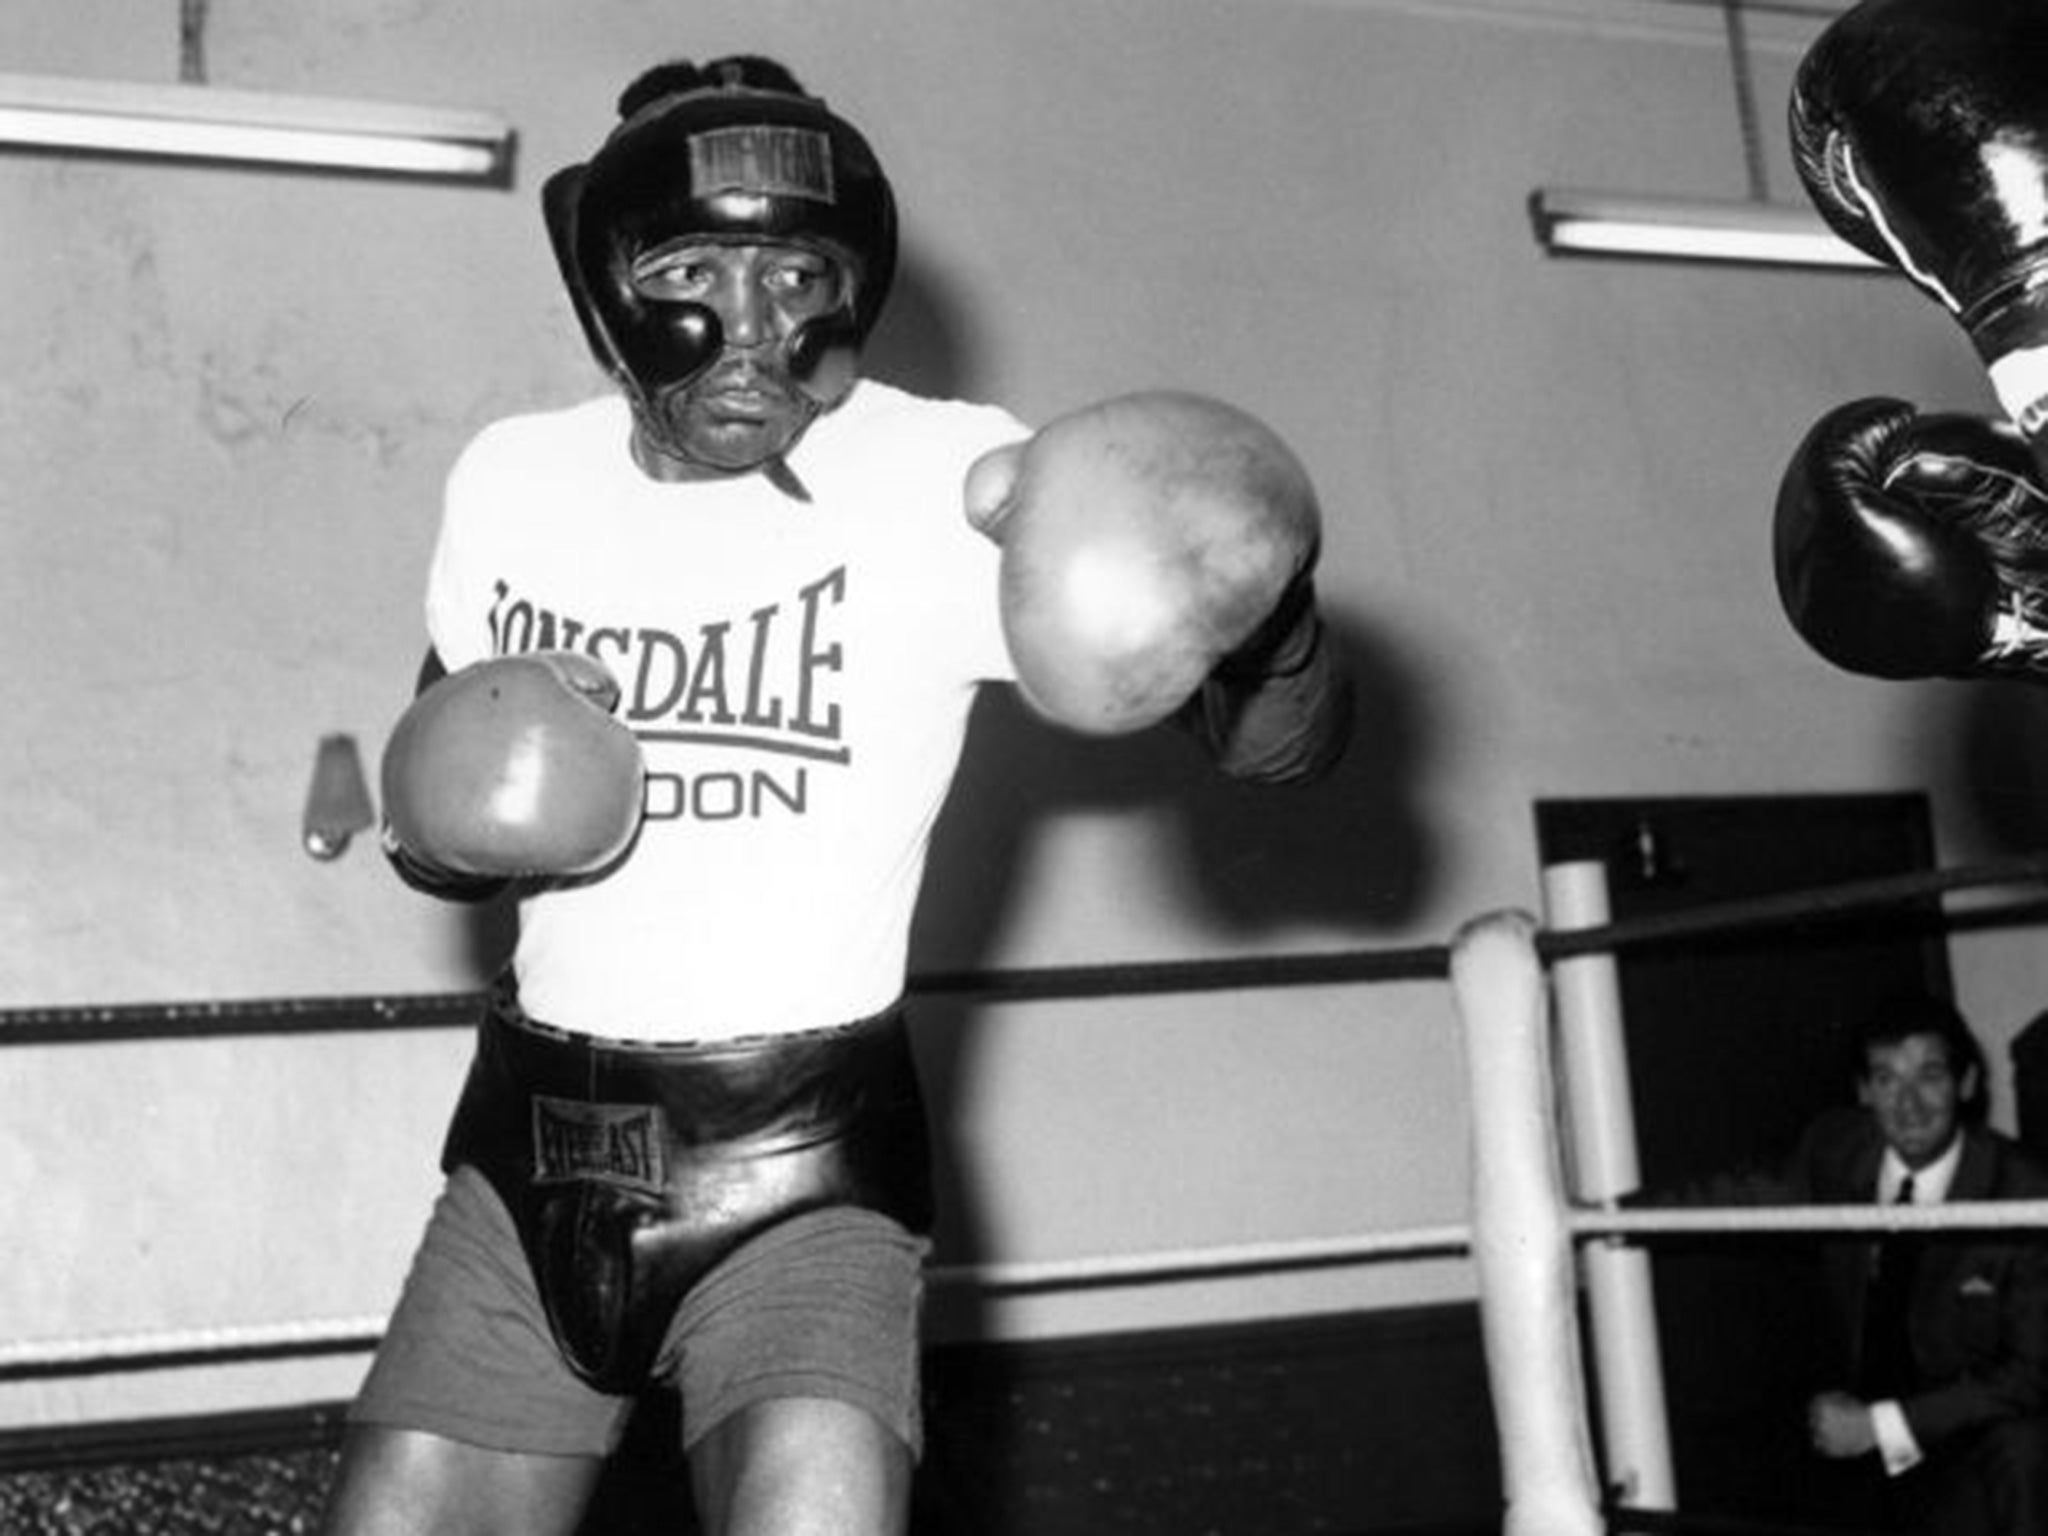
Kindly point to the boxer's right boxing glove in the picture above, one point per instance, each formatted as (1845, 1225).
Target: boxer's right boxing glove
(1911, 545)
(513, 768)
(1920, 131)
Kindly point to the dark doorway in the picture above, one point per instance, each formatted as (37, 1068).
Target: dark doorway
(1735, 1041)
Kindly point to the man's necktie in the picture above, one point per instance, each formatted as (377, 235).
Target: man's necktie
(1887, 1365)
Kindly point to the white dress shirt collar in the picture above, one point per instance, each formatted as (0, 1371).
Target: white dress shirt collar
(1930, 1184)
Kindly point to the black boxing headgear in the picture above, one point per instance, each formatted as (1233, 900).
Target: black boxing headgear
(733, 152)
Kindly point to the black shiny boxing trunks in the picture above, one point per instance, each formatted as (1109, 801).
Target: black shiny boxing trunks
(631, 1169)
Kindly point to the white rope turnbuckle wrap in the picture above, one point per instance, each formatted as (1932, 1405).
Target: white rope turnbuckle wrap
(1521, 1239)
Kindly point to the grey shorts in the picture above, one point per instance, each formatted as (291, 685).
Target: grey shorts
(824, 1304)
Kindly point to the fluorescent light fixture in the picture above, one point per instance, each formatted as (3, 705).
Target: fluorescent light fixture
(199, 122)
(1576, 223)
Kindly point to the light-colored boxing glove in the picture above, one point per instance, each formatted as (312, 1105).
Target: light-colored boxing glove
(1145, 540)
(514, 767)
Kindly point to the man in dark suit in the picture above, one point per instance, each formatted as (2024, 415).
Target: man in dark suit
(1941, 1339)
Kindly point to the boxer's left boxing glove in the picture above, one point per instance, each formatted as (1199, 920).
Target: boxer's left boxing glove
(1920, 132)
(1145, 540)
(1911, 545)
(514, 768)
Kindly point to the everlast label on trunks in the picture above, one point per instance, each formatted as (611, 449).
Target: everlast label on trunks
(619, 1144)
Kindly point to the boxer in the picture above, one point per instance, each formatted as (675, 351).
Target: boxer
(701, 657)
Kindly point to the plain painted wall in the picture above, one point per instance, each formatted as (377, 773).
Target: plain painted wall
(231, 396)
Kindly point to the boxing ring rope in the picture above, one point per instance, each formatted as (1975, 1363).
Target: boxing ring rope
(158, 1350)
(104, 1023)
(1432, 962)
(1524, 1230)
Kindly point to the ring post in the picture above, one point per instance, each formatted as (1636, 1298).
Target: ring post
(1601, 1128)
(1521, 1240)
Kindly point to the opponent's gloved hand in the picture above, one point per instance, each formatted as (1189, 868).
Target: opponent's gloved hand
(1912, 545)
(1145, 540)
(1920, 131)
(514, 767)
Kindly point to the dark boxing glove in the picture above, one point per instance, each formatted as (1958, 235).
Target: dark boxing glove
(1912, 545)
(1920, 131)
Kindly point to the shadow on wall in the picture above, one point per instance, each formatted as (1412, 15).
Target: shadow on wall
(1350, 850)
(1987, 743)
(925, 340)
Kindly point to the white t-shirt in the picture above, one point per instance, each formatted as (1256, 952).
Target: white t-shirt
(799, 676)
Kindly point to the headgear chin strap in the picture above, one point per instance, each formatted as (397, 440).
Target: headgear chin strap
(721, 160)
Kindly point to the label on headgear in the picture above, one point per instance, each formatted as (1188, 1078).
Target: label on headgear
(2021, 380)
(766, 159)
